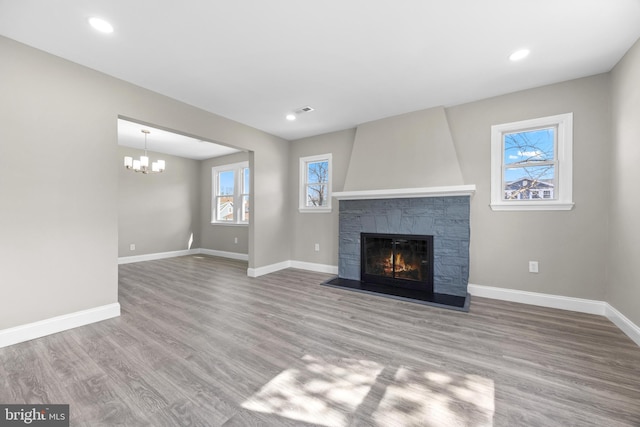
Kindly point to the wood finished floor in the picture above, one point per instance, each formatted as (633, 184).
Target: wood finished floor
(199, 343)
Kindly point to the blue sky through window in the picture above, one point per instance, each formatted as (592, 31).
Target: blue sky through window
(226, 183)
(245, 181)
(527, 153)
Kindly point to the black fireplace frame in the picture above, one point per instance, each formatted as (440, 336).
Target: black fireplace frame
(422, 285)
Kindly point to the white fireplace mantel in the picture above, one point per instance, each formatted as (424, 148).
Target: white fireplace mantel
(397, 193)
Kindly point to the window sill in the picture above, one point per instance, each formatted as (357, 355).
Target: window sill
(314, 210)
(230, 224)
(532, 206)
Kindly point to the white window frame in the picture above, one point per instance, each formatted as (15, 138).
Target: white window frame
(304, 161)
(238, 169)
(563, 190)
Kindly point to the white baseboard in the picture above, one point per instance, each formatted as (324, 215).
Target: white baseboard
(272, 268)
(535, 298)
(56, 324)
(251, 272)
(159, 255)
(173, 254)
(312, 266)
(224, 254)
(621, 321)
(601, 308)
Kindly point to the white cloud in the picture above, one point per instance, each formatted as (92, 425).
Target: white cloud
(530, 153)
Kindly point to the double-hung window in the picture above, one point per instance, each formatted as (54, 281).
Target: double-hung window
(230, 198)
(531, 164)
(315, 183)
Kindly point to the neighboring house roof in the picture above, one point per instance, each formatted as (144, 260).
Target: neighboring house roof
(225, 210)
(528, 183)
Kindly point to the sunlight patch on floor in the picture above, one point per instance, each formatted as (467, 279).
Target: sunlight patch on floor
(417, 398)
(320, 393)
(331, 392)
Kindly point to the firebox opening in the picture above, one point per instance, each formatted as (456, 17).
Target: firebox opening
(404, 261)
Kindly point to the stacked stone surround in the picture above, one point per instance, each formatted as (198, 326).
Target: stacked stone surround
(445, 218)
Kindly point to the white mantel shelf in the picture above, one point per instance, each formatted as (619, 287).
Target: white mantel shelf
(398, 193)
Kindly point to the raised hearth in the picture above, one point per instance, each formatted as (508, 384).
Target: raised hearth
(452, 302)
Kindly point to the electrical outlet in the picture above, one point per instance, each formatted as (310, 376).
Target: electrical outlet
(533, 266)
(317, 247)
(235, 240)
(132, 247)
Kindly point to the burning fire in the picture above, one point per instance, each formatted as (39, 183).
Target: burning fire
(400, 265)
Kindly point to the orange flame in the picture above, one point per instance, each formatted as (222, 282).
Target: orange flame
(400, 264)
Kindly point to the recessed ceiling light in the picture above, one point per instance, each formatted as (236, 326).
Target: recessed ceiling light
(519, 54)
(101, 25)
(291, 117)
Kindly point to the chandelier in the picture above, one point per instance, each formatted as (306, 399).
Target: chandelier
(142, 165)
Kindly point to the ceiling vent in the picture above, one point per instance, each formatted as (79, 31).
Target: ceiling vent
(305, 109)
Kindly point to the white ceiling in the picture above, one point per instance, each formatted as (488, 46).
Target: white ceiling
(354, 61)
(161, 141)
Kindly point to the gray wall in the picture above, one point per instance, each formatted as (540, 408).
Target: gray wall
(571, 245)
(307, 229)
(158, 212)
(216, 236)
(58, 234)
(623, 290)
(407, 151)
(59, 168)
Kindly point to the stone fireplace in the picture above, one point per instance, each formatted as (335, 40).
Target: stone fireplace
(434, 220)
(404, 178)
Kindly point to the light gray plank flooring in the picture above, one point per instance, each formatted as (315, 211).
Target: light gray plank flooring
(201, 344)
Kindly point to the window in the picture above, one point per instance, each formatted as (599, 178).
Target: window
(315, 183)
(531, 164)
(230, 198)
